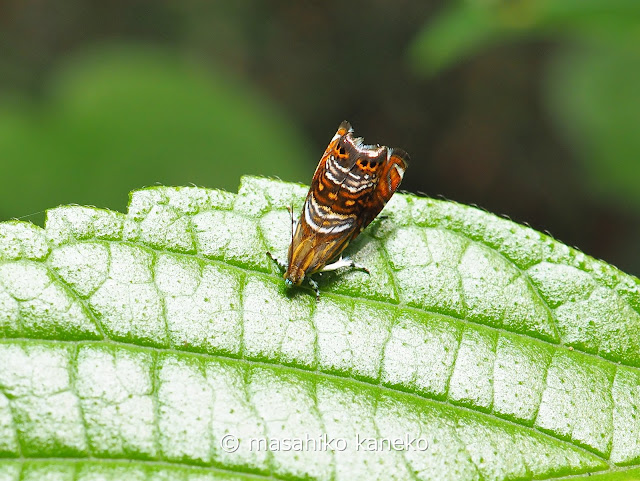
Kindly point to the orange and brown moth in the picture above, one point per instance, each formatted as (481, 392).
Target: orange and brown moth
(351, 185)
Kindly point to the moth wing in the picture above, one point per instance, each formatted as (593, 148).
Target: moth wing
(325, 232)
(326, 195)
(390, 176)
(344, 161)
(368, 203)
(350, 186)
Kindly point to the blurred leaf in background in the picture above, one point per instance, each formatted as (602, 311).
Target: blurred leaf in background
(594, 94)
(116, 118)
(592, 81)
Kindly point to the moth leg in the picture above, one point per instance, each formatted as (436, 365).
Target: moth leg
(342, 262)
(281, 265)
(314, 286)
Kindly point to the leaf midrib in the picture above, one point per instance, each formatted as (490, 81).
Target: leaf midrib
(126, 462)
(378, 388)
(398, 305)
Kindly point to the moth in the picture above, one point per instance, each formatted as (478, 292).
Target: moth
(351, 185)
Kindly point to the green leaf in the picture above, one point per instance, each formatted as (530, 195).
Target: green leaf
(590, 86)
(133, 344)
(593, 96)
(462, 29)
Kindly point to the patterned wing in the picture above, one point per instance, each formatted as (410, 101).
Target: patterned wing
(351, 185)
(327, 210)
(389, 175)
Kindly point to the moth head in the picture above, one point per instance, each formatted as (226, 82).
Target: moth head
(293, 276)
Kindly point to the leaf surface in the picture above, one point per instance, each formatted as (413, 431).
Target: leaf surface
(133, 345)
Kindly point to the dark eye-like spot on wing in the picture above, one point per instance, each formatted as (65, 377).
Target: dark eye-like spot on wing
(342, 151)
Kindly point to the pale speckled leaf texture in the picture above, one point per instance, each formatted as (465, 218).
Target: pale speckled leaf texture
(134, 346)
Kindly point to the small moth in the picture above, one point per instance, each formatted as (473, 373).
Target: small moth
(351, 185)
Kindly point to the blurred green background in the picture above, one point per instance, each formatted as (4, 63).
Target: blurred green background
(528, 108)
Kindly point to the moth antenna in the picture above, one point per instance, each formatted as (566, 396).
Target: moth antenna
(290, 209)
